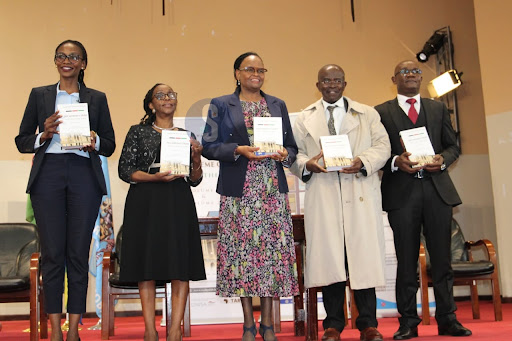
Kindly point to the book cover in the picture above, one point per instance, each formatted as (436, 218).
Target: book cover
(175, 152)
(417, 142)
(74, 129)
(337, 152)
(268, 135)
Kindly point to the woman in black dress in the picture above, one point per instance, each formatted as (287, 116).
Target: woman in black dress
(161, 240)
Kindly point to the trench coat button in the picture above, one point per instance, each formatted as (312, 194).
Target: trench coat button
(361, 199)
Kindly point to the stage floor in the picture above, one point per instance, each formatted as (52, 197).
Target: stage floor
(132, 328)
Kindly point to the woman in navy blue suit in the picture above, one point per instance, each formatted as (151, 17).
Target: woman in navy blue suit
(255, 250)
(65, 186)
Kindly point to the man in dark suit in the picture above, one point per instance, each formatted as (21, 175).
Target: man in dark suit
(420, 197)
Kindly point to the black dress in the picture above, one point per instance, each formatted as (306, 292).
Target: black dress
(161, 239)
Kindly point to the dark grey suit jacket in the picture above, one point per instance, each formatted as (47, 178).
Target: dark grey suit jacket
(41, 104)
(396, 185)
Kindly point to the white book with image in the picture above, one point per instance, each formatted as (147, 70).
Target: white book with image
(175, 152)
(74, 128)
(417, 142)
(337, 152)
(268, 135)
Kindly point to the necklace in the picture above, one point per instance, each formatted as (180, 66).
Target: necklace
(242, 97)
(157, 127)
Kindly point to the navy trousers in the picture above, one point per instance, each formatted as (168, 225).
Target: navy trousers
(66, 198)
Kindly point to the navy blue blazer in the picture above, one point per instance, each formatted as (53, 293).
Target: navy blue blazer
(41, 105)
(396, 185)
(225, 130)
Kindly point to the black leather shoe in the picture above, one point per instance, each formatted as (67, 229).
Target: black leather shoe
(453, 329)
(405, 333)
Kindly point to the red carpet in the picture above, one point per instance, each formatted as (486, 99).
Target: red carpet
(132, 328)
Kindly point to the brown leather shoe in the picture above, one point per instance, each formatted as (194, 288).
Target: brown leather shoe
(331, 334)
(371, 334)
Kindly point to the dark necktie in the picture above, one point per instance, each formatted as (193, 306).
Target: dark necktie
(413, 114)
(330, 123)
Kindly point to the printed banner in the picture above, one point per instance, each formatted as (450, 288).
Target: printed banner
(102, 236)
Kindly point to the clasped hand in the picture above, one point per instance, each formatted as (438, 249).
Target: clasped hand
(50, 129)
(197, 149)
(404, 164)
(315, 167)
(249, 152)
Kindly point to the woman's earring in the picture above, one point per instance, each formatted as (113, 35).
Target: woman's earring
(238, 82)
(153, 111)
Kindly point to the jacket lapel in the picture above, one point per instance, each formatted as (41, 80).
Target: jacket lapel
(49, 99)
(426, 110)
(237, 117)
(85, 94)
(273, 107)
(351, 119)
(397, 114)
(316, 124)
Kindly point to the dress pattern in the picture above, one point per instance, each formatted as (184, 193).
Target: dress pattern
(255, 250)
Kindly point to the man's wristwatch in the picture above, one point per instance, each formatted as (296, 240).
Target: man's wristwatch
(443, 167)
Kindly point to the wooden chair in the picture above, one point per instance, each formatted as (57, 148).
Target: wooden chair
(113, 289)
(19, 273)
(312, 312)
(466, 271)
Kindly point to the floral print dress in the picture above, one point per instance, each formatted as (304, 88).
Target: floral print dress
(255, 250)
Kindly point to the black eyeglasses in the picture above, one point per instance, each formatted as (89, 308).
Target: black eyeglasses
(161, 96)
(405, 72)
(73, 58)
(335, 81)
(251, 69)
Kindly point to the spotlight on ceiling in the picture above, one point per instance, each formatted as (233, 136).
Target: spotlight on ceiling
(444, 83)
(433, 45)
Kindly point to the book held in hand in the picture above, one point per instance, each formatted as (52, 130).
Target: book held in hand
(74, 129)
(175, 152)
(268, 135)
(337, 152)
(417, 142)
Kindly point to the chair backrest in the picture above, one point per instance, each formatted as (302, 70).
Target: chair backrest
(459, 252)
(458, 246)
(117, 250)
(17, 243)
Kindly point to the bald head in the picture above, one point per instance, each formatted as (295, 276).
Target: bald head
(329, 67)
(407, 82)
(331, 82)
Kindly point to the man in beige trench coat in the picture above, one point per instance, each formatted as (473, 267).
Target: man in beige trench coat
(343, 210)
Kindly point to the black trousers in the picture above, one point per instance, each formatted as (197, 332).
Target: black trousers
(334, 300)
(424, 208)
(66, 198)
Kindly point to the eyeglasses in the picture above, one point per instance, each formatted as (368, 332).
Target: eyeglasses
(335, 81)
(251, 69)
(161, 96)
(73, 58)
(405, 72)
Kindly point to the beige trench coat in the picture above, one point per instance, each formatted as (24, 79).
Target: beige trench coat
(341, 206)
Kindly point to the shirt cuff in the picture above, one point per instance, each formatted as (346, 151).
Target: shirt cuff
(38, 143)
(393, 167)
(97, 144)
